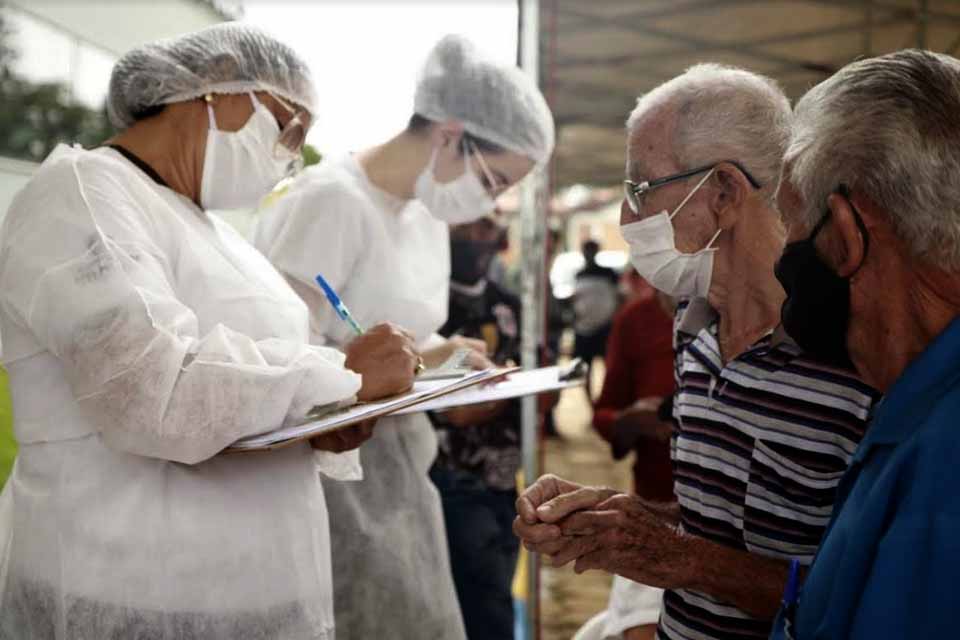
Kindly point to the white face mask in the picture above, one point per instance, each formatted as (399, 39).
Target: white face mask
(240, 167)
(456, 202)
(654, 254)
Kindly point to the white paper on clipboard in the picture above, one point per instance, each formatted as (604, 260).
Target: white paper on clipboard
(522, 383)
(422, 391)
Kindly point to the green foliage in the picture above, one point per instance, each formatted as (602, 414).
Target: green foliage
(311, 155)
(36, 117)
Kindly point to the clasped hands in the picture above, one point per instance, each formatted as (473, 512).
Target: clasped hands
(598, 528)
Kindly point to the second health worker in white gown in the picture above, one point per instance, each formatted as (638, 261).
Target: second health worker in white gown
(374, 225)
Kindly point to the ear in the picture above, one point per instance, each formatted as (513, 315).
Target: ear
(447, 134)
(847, 244)
(730, 190)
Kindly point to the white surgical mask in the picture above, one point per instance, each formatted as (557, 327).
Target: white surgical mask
(241, 167)
(456, 202)
(654, 254)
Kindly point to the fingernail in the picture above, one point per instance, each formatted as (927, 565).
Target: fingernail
(545, 508)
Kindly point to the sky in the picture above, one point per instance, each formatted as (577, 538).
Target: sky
(365, 55)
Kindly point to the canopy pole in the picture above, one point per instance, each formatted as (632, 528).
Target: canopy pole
(533, 205)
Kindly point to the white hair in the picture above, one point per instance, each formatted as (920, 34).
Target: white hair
(889, 128)
(723, 113)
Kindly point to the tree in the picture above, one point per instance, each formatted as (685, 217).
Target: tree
(38, 116)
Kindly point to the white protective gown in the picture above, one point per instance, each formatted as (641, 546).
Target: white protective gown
(142, 336)
(389, 261)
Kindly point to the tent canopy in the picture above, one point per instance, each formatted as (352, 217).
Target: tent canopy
(598, 56)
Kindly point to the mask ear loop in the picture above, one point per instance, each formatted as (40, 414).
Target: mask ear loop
(690, 195)
(213, 121)
(432, 163)
(256, 103)
(494, 183)
(709, 246)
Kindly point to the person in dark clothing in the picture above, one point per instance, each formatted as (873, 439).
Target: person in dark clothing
(595, 301)
(479, 445)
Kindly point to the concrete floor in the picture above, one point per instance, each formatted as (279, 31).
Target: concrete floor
(569, 600)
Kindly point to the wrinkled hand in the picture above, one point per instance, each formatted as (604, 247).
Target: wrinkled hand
(386, 357)
(622, 536)
(547, 501)
(344, 439)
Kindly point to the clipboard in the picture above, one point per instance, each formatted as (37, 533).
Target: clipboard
(341, 418)
(523, 383)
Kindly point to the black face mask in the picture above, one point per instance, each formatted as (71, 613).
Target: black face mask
(470, 260)
(816, 312)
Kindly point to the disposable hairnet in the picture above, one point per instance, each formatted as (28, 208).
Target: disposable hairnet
(495, 102)
(225, 58)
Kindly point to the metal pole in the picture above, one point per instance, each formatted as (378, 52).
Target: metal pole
(532, 239)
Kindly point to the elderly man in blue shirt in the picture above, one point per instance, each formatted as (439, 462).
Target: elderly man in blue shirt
(871, 198)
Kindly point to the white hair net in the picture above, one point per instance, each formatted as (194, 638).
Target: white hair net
(495, 102)
(225, 58)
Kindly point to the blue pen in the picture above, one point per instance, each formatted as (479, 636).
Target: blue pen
(338, 305)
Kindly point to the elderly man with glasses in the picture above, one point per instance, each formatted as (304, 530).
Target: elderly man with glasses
(762, 430)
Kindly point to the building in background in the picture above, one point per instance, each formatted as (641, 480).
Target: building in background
(55, 61)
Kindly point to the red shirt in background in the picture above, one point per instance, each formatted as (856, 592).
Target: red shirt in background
(639, 365)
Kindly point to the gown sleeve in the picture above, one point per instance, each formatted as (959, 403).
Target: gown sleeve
(82, 272)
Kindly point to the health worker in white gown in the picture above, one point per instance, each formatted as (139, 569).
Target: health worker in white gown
(374, 225)
(143, 336)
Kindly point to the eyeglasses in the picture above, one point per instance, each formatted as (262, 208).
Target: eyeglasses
(294, 134)
(493, 185)
(292, 137)
(634, 191)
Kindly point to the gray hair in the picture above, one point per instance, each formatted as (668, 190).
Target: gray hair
(724, 113)
(887, 127)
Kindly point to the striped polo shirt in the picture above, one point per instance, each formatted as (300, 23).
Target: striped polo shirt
(759, 446)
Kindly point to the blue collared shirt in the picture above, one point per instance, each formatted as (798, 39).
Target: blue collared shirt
(888, 564)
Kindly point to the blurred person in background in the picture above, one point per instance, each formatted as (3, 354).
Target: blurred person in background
(763, 430)
(556, 324)
(479, 445)
(595, 301)
(142, 336)
(639, 378)
(375, 225)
